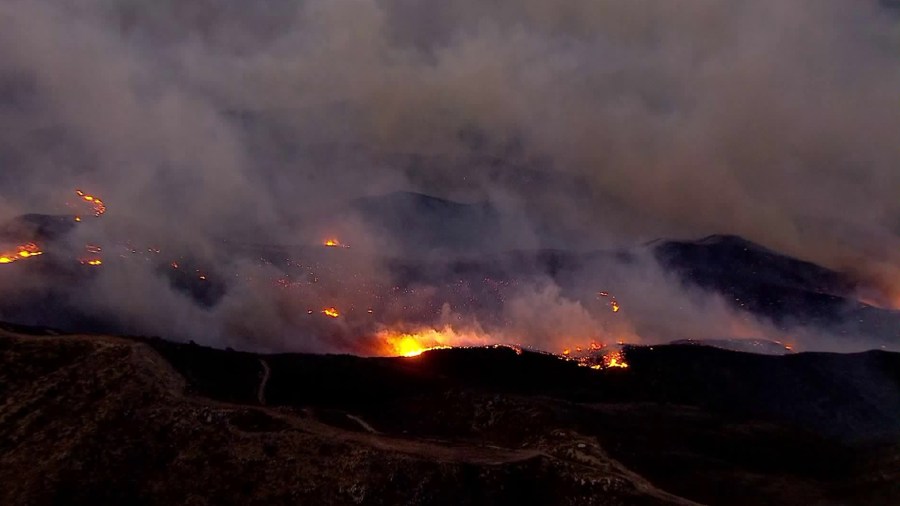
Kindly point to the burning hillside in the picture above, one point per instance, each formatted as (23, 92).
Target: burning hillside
(363, 303)
(487, 223)
(21, 252)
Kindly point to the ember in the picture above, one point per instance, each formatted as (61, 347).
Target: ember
(331, 312)
(613, 304)
(99, 206)
(596, 356)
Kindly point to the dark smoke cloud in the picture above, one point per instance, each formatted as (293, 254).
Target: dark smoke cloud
(588, 124)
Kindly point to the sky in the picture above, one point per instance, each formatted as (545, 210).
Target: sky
(589, 123)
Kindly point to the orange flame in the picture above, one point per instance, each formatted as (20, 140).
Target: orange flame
(334, 243)
(615, 359)
(331, 312)
(395, 343)
(596, 356)
(20, 253)
(613, 304)
(99, 206)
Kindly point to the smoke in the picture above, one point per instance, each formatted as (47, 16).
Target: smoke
(586, 124)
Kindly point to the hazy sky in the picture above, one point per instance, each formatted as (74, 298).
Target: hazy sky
(596, 122)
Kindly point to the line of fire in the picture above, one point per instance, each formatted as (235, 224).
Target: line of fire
(397, 338)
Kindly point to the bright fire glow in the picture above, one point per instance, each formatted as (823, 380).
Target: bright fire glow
(99, 206)
(615, 359)
(93, 262)
(20, 253)
(334, 243)
(596, 356)
(331, 312)
(394, 343)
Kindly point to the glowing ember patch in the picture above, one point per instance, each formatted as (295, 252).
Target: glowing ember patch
(595, 356)
(93, 262)
(331, 312)
(20, 253)
(616, 359)
(334, 243)
(99, 206)
(613, 303)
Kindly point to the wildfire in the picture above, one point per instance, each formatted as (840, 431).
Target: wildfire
(395, 343)
(410, 345)
(334, 243)
(93, 256)
(20, 253)
(596, 356)
(99, 206)
(615, 359)
(331, 312)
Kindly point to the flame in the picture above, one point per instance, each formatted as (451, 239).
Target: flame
(595, 355)
(394, 343)
(331, 312)
(93, 262)
(20, 253)
(334, 243)
(615, 359)
(613, 304)
(99, 206)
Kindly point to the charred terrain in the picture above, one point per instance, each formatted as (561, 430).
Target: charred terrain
(99, 419)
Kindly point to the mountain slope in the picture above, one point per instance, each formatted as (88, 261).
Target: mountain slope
(94, 419)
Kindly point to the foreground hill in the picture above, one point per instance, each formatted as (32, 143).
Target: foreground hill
(96, 419)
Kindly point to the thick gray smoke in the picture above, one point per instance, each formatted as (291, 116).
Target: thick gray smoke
(587, 123)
